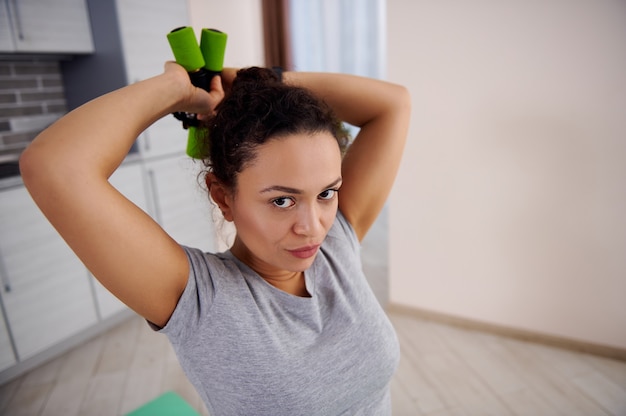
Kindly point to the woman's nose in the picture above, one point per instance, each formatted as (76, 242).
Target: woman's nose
(308, 221)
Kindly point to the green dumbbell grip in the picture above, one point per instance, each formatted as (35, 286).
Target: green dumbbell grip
(185, 48)
(195, 142)
(213, 48)
(201, 62)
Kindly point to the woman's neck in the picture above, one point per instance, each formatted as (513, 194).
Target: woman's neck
(294, 285)
(285, 280)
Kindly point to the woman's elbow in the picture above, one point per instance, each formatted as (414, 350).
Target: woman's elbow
(28, 165)
(35, 166)
(403, 98)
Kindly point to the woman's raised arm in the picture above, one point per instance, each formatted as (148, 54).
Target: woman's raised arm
(381, 110)
(66, 170)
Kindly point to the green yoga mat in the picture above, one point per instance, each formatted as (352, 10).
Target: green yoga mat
(167, 404)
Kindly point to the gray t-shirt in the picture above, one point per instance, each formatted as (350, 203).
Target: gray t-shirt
(252, 349)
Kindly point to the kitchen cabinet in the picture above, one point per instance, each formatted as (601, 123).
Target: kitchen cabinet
(49, 296)
(6, 36)
(175, 199)
(180, 205)
(51, 26)
(46, 293)
(145, 50)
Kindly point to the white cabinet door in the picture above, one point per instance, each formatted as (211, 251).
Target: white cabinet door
(165, 137)
(54, 26)
(6, 37)
(144, 25)
(181, 206)
(129, 180)
(7, 358)
(146, 49)
(47, 295)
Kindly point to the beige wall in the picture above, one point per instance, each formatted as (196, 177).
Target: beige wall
(241, 20)
(510, 206)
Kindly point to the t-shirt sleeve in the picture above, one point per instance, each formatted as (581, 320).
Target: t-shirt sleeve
(197, 298)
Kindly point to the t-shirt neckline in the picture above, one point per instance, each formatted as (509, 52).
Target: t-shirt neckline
(309, 281)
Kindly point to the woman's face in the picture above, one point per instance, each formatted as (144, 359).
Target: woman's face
(286, 201)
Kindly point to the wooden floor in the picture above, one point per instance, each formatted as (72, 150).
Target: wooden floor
(443, 371)
(446, 370)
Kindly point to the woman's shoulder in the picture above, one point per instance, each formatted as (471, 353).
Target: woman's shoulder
(210, 274)
(209, 264)
(342, 232)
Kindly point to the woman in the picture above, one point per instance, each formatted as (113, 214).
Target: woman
(283, 322)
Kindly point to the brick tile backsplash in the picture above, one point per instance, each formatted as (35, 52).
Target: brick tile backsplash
(8, 97)
(31, 98)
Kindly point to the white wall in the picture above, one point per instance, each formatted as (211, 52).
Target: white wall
(243, 22)
(510, 204)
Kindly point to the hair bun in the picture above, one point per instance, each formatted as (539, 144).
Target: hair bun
(257, 76)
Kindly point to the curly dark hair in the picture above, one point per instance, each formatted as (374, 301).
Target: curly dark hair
(260, 108)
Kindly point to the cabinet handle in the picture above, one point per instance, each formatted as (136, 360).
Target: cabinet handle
(144, 134)
(18, 19)
(146, 140)
(155, 195)
(6, 283)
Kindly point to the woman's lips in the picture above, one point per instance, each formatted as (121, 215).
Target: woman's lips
(304, 252)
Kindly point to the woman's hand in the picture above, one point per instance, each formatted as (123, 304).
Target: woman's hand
(228, 77)
(194, 100)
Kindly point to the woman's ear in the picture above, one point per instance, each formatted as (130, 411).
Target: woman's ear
(220, 195)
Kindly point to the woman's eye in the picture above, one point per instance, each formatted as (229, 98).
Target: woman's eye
(283, 202)
(328, 194)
